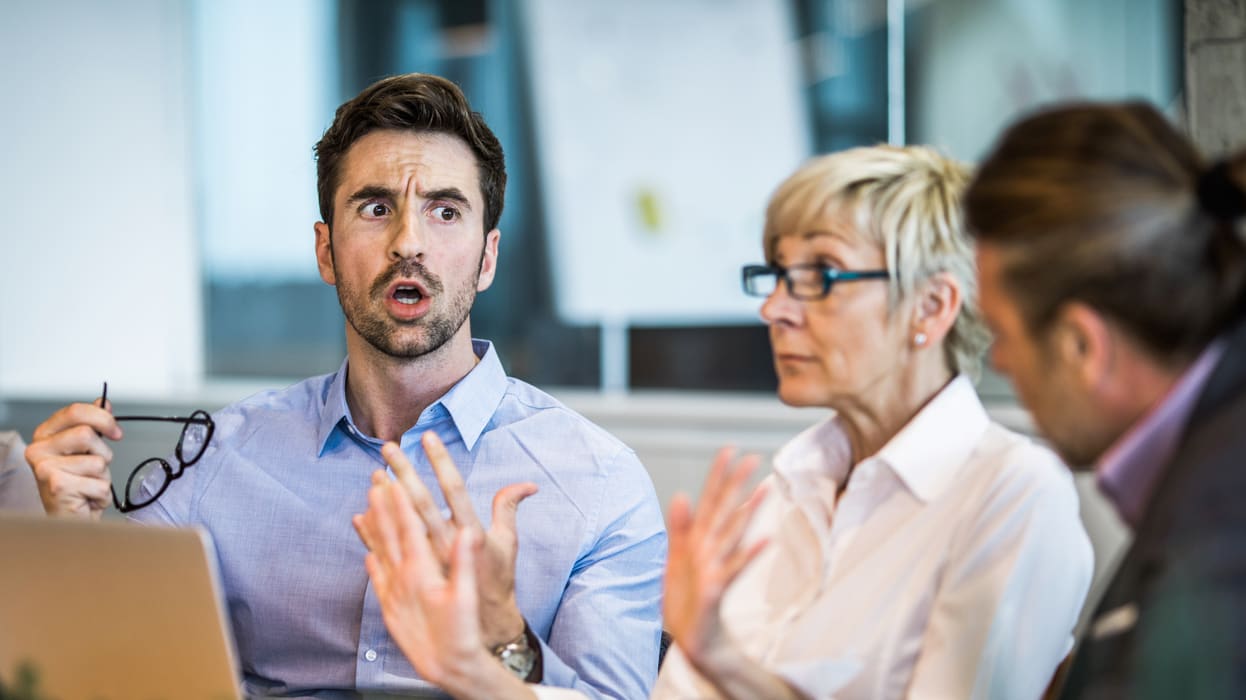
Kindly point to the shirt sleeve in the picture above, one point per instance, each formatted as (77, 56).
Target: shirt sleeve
(1004, 614)
(609, 619)
(18, 491)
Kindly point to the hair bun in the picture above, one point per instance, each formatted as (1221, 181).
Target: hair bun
(1219, 195)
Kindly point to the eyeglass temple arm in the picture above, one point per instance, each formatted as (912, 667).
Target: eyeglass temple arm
(166, 419)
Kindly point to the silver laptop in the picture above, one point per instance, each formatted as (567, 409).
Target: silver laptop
(112, 610)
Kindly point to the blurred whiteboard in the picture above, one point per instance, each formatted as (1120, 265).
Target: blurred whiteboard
(662, 128)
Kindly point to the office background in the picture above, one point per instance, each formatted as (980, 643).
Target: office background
(159, 188)
(160, 181)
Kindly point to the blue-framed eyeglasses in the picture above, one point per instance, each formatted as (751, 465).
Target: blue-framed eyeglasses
(806, 282)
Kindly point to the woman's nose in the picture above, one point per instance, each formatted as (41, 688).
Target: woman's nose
(780, 307)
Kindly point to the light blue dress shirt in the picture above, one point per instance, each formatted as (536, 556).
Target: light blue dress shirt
(286, 470)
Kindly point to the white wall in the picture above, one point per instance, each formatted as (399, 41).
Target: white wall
(662, 126)
(976, 65)
(99, 271)
(264, 81)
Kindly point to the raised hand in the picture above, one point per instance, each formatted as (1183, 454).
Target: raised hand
(706, 554)
(431, 611)
(70, 460)
(500, 619)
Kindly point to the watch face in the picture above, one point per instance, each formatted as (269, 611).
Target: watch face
(518, 659)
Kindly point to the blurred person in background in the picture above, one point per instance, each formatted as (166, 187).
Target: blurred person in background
(907, 546)
(18, 491)
(411, 184)
(1113, 272)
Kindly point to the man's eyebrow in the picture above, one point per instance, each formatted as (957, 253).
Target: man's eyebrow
(372, 192)
(367, 192)
(452, 194)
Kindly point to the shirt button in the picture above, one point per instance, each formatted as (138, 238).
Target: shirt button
(370, 655)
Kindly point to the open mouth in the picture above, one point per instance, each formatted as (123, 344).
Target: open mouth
(409, 295)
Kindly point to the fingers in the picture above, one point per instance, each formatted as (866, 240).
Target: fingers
(71, 467)
(710, 493)
(398, 461)
(98, 419)
(741, 517)
(450, 480)
(505, 507)
(734, 531)
(396, 535)
(463, 575)
(379, 575)
(723, 491)
(439, 531)
(88, 465)
(70, 440)
(362, 525)
(65, 492)
(678, 520)
(709, 540)
(732, 494)
(417, 554)
(740, 559)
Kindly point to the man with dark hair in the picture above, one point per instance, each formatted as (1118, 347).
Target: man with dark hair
(1114, 276)
(411, 188)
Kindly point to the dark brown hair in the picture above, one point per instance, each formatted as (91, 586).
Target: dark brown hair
(419, 103)
(1108, 204)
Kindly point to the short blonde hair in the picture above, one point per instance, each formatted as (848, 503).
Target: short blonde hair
(907, 201)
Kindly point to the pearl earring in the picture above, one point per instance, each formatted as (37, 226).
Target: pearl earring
(919, 339)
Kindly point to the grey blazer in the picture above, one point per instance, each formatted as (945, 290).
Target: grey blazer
(18, 491)
(1172, 623)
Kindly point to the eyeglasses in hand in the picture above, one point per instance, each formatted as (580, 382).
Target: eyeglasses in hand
(806, 282)
(193, 441)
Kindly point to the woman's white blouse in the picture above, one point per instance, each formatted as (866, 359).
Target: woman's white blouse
(953, 565)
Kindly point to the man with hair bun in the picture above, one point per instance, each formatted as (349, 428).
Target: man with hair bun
(1113, 274)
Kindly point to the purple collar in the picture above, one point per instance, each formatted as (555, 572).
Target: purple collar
(1129, 471)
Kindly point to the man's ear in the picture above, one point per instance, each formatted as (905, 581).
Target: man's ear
(324, 253)
(936, 306)
(488, 260)
(1083, 341)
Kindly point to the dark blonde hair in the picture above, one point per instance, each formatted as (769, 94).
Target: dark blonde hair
(1109, 205)
(907, 201)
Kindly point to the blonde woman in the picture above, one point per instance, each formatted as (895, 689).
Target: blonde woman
(906, 546)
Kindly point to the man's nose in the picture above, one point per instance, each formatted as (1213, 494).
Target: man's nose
(409, 238)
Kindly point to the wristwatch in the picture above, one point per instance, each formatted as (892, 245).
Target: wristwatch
(521, 656)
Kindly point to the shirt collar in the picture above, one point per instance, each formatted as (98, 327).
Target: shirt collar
(470, 403)
(1128, 472)
(931, 448)
(926, 454)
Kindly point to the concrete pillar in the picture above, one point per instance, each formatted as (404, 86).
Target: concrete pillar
(1215, 74)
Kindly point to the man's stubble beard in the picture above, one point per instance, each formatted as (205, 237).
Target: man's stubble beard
(384, 333)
